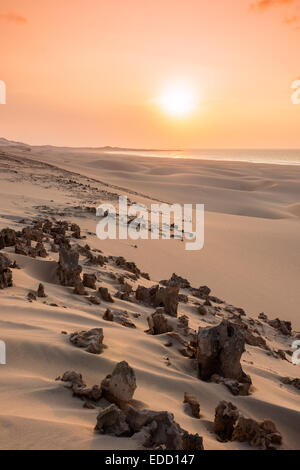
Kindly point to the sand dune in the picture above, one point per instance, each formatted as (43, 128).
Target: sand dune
(250, 259)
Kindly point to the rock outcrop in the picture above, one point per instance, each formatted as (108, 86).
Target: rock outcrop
(226, 416)
(89, 280)
(8, 237)
(193, 403)
(41, 291)
(158, 324)
(68, 268)
(79, 388)
(219, 351)
(120, 386)
(6, 278)
(91, 341)
(176, 281)
(230, 425)
(105, 295)
(157, 296)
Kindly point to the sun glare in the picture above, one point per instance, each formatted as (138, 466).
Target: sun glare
(177, 100)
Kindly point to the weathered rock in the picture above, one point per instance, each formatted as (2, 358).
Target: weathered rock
(176, 281)
(89, 280)
(160, 297)
(112, 420)
(79, 388)
(158, 428)
(54, 248)
(76, 231)
(262, 316)
(94, 300)
(6, 278)
(284, 327)
(108, 315)
(264, 434)
(41, 250)
(127, 266)
(123, 296)
(119, 387)
(21, 250)
(8, 237)
(105, 295)
(158, 324)
(255, 340)
(73, 377)
(293, 382)
(183, 299)
(202, 310)
(120, 317)
(219, 351)
(226, 416)
(91, 340)
(79, 288)
(235, 387)
(32, 234)
(167, 298)
(41, 291)
(193, 403)
(202, 293)
(68, 268)
(31, 296)
(98, 260)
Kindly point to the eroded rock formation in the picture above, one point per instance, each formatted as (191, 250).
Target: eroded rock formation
(219, 351)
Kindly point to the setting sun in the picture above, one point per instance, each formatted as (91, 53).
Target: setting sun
(177, 100)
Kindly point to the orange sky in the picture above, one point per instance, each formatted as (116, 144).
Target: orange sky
(86, 73)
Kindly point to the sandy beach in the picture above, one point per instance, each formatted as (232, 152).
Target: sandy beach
(250, 260)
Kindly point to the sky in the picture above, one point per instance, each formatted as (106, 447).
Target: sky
(95, 72)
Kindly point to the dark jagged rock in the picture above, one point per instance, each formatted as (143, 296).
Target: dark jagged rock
(31, 296)
(284, 327)
(193, 403)
(112, 420)
(202, 310)
(158, 428)
(230, 425)
(128, 266)
(105, 295)
(293, 382)
(89, 280)
(119, 387)
(176, 281)
(6, 277)
(219, 352)
(108, 315)
(32, 234)
(94, 300)
(202, 293)
(264, 434)
(79, 388)
(255, 340)
(158, 324)
(68, 268)
(79, 288)
(41, 250)
(8, 237)
(41, 291)
(226, 416)
(157, 296)
(91, 340)
(76, 231)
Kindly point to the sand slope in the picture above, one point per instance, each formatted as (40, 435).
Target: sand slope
(249, 260)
